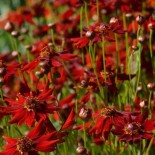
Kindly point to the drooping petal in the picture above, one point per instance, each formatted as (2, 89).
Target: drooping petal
(69, 122)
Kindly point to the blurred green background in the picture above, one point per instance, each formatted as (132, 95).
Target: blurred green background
(5, 7)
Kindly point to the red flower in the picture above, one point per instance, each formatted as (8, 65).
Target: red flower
(20, 16)
(115, 26)
(41, 30)
(30, 106)
(103, 122)
(48, 58)
(32, 143)
(95, 32)
(40, 10)
(7, 70)
(134, 128)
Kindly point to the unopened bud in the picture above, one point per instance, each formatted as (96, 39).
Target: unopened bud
(85, 113)
(128, 15)
(89, 34)
(140, 19)
(151, 86)
(113, 20)
(9, 27)
(134, 47)
(15, 34)
(39, 74)
(84, 83)
(28, 47)
(139, 88)
(21, 38)
(80, 141)
(15, 53)
(2, 71)
(142, 104)
(50, 25)
(24, 30)
(141, 39)
(81, 150)
(50, 44)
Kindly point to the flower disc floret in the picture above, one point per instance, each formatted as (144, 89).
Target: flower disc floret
(132, 128)
(24, 145)
(108, 111)
(32, 103)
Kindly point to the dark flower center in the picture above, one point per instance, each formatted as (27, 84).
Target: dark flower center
(24, 144)
(132, 128)
(108, 111)
(33, 103)
(46, 52)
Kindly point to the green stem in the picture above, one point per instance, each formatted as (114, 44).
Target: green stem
(126, 42)
(98, 11)
(117, 53)
(53, 40)
(151, 52)
(149, 103)
(86, 13)
(81, 28)
(92, 57)
(1, 92)
(104, 66)
(65, 149)
(139, 69)
(103, 55)
(150, 42)
(81, 20)
(149, 146)
(84, 134)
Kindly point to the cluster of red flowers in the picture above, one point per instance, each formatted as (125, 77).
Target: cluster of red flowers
(78, 68)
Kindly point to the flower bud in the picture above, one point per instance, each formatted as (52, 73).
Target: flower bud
(81, 150)
(50, 44)
(80, 141)
(39, 74)
(42, 63)
(85, 113)
(150, 86)
(28, 47)
(15, 53)
(139, 88)
(21, 38)
(113, 20)
(2, 71)
(9, 27)
(141, 39)
(142, 104)
(15, 34)
(89, 34)
(84, 83)
(140, 19)
(128, 15)
(24, 30)
(50, 25)
(134, 47)
(104, 11)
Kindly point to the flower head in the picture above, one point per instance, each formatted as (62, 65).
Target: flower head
(134, 128)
